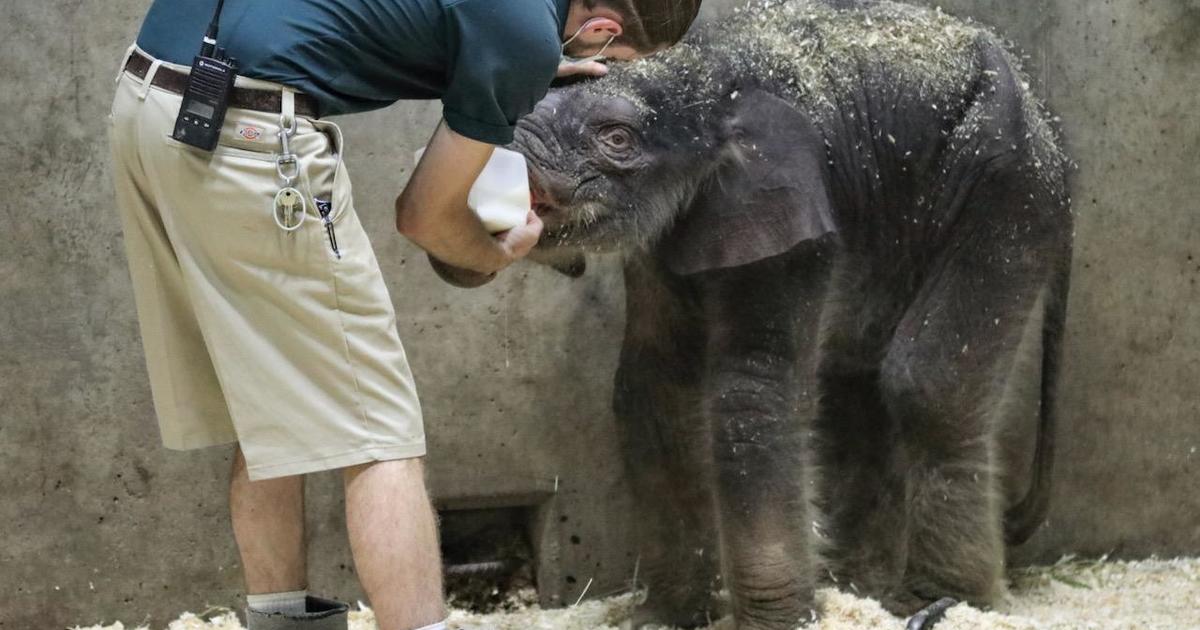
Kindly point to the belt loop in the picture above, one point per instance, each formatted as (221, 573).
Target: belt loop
(287, 107)
(125, 61)
(146, 82)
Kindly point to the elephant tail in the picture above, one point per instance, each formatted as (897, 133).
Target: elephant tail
(1023, 519)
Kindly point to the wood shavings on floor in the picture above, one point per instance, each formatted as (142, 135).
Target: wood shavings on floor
(1070, 595)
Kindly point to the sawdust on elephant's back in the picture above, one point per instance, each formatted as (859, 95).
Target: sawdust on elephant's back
(815, 56)
(808, 50)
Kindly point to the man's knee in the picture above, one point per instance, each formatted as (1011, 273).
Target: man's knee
(409, 468)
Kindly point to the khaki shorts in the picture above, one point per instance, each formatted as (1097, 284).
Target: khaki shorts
(254, 334)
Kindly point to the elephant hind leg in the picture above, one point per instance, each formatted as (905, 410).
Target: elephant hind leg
(943, 380)
(955, 543)
(956, 546)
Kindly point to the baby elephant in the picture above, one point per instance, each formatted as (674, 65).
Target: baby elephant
(840, 222)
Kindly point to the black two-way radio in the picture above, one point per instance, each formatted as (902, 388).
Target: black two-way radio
(207, 94)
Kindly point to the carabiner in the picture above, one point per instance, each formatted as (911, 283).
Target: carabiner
(287, 129)
(292, 173)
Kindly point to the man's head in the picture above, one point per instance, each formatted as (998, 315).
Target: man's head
(626, 29)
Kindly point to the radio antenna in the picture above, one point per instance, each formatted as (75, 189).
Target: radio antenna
(210, 38)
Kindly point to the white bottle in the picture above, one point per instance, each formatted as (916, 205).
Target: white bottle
(500, 196)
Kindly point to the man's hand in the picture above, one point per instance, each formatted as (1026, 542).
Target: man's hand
(518, 242)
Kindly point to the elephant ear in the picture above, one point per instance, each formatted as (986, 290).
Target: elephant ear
(766, 198)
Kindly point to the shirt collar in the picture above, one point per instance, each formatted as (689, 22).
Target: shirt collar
(564, 7)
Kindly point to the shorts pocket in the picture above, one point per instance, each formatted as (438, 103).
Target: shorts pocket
(221, 149)
(331, 185)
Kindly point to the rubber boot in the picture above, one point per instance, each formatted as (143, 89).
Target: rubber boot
(320, 614)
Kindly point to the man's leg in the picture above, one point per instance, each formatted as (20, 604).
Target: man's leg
(393, 535)
(268, 523)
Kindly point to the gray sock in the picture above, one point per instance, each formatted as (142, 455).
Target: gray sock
(288, 603)
(441, 625)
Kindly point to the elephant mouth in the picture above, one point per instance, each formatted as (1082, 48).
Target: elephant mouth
(568, 221)
(552, 210)
(543, 203)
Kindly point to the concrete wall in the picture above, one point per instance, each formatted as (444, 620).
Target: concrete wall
(1122, 74)
(100, 523)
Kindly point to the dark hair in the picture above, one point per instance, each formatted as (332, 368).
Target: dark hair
(652, 24)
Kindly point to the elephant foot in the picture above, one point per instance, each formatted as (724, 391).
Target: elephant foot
(649, 614)
(724, 623)
(731, 623)
(636, 622)
(645, 619)
(929, 616)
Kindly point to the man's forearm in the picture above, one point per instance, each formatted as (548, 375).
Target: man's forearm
(432, 210)
(457, 238)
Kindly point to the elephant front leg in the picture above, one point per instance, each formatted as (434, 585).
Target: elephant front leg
(762, 481)
(665, 448)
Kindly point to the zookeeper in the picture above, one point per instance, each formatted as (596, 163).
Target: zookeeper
(264, 315)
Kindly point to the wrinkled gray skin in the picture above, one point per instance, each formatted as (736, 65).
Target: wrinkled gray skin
(832, 280)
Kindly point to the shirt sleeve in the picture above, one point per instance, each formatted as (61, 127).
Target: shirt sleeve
(502, 56)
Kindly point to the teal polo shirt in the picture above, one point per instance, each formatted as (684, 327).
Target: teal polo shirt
(489, 61)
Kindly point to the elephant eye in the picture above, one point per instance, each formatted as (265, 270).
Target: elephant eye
(617, 139)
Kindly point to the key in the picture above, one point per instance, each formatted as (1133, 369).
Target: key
(288, 198)
(325, 208)
(286, 201)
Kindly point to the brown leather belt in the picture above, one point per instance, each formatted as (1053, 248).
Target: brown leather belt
(245, 98)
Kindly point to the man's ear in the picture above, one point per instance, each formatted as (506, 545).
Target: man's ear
(598, 29)
(766, 198)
